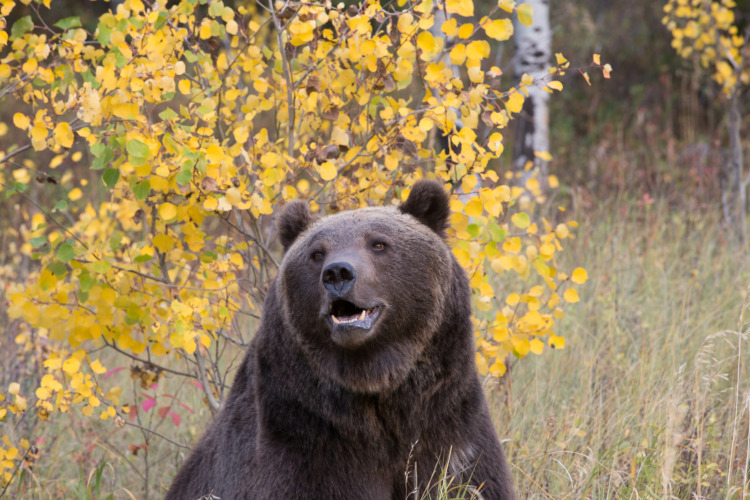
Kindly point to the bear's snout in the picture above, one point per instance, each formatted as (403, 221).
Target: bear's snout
(338, 278)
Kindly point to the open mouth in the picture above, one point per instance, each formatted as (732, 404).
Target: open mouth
(345, 313)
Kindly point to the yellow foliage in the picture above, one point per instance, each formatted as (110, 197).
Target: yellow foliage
(194, 144)
(705, 30)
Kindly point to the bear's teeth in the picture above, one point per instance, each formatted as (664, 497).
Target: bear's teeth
(362, 316)
(335, 319)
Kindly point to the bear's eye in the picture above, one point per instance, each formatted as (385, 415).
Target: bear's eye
(378, 246)
(317, 256)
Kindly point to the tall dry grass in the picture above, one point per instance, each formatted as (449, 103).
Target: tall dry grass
(651, 396)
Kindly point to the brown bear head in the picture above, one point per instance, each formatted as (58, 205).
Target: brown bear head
(363, 292)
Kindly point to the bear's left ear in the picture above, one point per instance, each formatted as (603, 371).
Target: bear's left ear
(429, 204)
(294, 218)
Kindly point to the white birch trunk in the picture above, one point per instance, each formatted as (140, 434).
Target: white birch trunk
(533, 55)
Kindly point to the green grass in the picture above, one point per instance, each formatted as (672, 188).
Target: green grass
(649, 398)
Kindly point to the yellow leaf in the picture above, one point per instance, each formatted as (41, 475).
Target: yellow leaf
(234, 197)
(536, 346)
(164, 242)
(214, 154)
(205, 30)
(579, 276)
(536, 291)
(167, 211)
(450, 27)
(468, 183)
(521, 346)
(71, 366)
(14, 388)
(461, 7)
(21, 121)
(555, 85)
(75, 194)
(556, 342)
(458, 54)
(97, 367)
(210, 204)
(543, 155)
(514, 104)
(498, 368)
(474, 207)
(499, 29)
(571, 296)
(586, 77)
(339, 137)
(42, 393)
(465, 30)
(506, 5)
(426, 42)
(30, 66)
(478, 49)
(64, 134)
(597, 60)
(232, 27)
(482, 366)
(328, 171)
(525, 13)
(184, 86)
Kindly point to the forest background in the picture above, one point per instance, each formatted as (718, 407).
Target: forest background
(610, 278)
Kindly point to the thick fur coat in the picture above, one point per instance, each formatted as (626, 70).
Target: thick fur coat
(361, 382)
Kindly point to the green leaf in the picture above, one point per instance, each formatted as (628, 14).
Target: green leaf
(103, 34)
(21, 26)
(138, 152)
(68, 22)
(142, 189)
(143, 258)
(86, 281)
(184, 177)
(61, 205)
(110, 177)
(103, 155)
(136, 148)
(57, 268)
(497, 233)
(38, 241)
(168, 114)
(116, 240)
(216, 9)
(160, 21)
(101, 266)
(521, 220)
(65, 252)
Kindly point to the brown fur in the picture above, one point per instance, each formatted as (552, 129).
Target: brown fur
(321, 410)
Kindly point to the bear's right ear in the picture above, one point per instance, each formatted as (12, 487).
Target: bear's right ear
(294, 218)
(429, 204)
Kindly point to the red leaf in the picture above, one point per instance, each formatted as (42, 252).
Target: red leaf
(148, 404)
(113, 371)
(187, 407)
(163, 411)
(175, 418)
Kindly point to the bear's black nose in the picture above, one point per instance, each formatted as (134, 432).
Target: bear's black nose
(339, 277)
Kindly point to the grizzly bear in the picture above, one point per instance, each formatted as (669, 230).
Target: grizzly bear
(361, 381)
